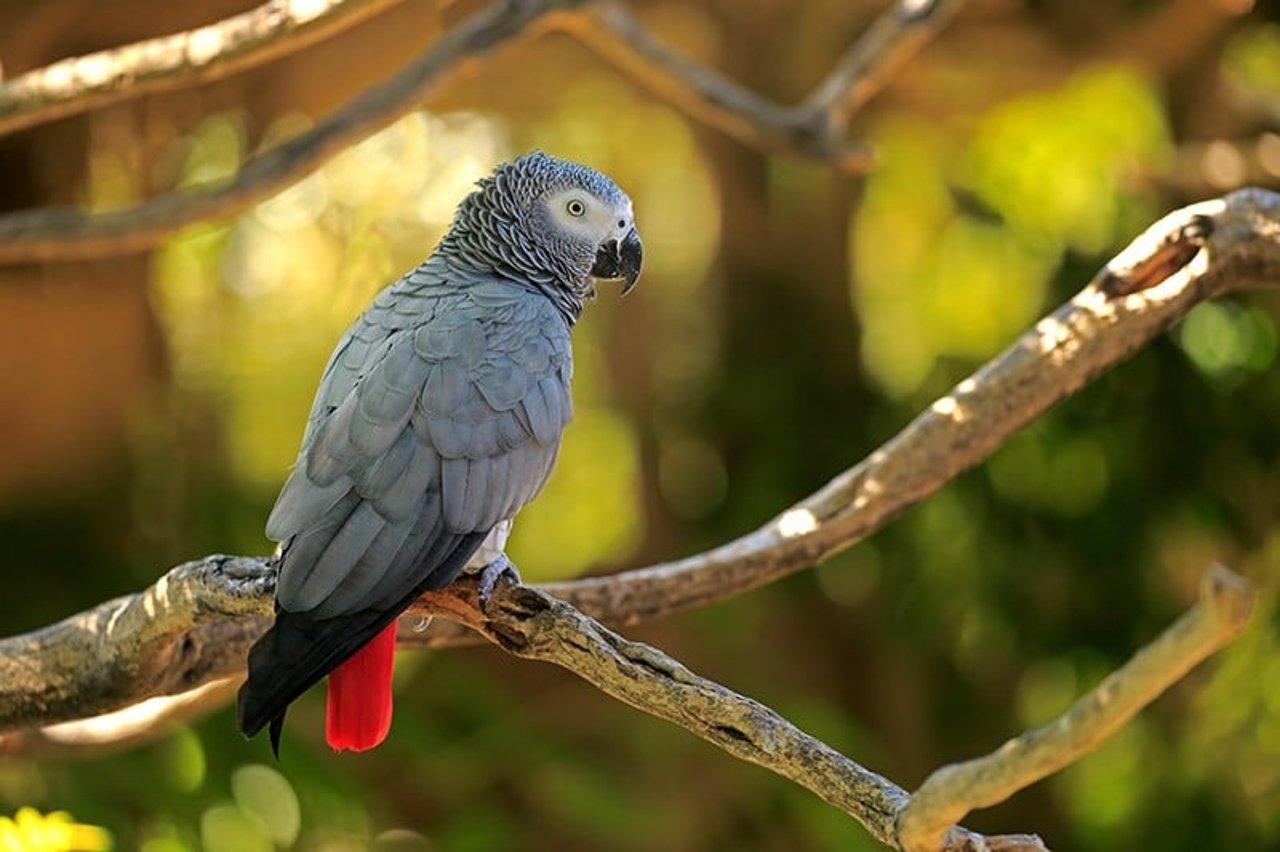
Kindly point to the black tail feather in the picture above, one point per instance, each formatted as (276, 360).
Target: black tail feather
(274, 730)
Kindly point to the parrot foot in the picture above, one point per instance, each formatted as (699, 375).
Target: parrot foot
(491, 575)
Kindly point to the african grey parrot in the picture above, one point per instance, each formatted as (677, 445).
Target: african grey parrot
(438, 417)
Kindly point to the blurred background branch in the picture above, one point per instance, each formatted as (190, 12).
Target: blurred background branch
(816, 129)
(64, 233)
(194, 625)
(242, 41)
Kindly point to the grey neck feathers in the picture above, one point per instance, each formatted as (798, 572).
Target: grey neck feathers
(498, 229)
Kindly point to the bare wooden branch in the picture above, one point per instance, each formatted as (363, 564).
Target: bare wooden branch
(68, 233)
(131, 726)
(534, 625)
(195, 624)
(243, 41)
(871, 62)
(817, 129)
(611, 31)
(1226, 602)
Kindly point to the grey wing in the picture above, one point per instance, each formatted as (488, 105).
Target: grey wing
(423, 434)
(439, 415)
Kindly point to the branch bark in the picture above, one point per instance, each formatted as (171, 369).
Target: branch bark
(67, 233)
(122, 729)
(243, 41)
(533, 625)
(816, 129)
(870, 63)
(194, 625)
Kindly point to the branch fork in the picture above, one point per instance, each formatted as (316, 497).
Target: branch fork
(817, 129)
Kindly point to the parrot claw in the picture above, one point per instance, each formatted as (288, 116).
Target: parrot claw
(491, 575)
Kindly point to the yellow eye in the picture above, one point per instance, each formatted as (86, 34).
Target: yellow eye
(576, 208)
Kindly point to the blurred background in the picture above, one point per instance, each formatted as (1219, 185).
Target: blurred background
(789, 321)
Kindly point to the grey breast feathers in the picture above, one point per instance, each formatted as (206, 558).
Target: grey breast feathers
(439, 414)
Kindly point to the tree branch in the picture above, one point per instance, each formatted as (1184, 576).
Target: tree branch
(131, 726)
(816, 129)
(67, 233)
(243, 41)
(193, 626)
(870, 63)
(1226, 602)
(1238, 243)
(531, 624)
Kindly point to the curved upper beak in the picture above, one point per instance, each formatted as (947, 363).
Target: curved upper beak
(630, 259)
(620, 260)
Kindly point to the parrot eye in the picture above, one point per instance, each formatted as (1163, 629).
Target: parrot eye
(576, 208)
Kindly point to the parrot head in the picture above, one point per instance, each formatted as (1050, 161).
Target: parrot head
(559, 225)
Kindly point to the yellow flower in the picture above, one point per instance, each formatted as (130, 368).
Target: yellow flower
(31, 831)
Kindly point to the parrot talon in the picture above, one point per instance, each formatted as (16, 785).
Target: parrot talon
(491, 575)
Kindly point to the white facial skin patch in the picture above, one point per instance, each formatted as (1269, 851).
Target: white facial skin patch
(585, 216)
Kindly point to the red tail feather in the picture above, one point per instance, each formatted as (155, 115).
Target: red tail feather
(358, 715)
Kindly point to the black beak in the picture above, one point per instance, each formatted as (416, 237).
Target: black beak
(630, 259)
(623, 260)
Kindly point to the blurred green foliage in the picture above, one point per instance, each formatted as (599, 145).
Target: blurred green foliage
(788, 323)
(932, 279)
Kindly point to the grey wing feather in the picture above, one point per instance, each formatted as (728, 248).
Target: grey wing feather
(314, 580)
(402, 498)
(301, 501)
(423, 430)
